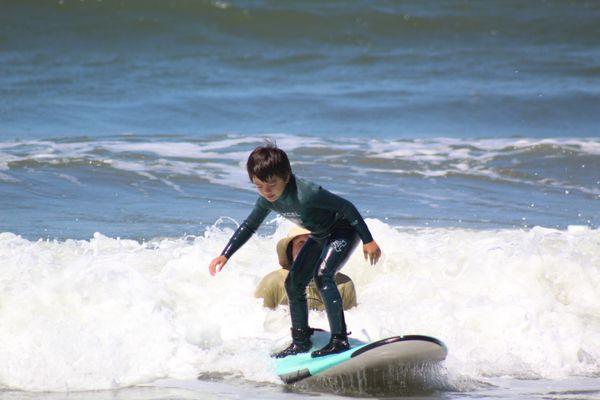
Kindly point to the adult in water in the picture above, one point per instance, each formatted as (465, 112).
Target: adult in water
(336, 228)
(271, 288)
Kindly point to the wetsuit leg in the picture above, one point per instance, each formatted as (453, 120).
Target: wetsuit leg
(297, 280)
(335, 254)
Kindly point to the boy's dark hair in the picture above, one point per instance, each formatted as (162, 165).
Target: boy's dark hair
(267, 161)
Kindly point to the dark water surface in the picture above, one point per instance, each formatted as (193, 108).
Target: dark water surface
(384, 69)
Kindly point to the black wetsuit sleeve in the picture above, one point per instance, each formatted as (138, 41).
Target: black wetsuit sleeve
(326, 200)
(246, 229)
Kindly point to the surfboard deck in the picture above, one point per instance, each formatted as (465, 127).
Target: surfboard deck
(396, 350)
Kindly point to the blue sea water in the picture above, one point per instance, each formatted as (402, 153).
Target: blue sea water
(460, 113)
(133, 120)
(142, 187)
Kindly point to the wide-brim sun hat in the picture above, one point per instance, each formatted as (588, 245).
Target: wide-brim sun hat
(282, 245)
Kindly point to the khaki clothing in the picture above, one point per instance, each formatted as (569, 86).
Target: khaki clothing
(272, 290)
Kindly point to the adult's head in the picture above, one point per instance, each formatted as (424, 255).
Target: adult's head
(269, 169)
(289, 247)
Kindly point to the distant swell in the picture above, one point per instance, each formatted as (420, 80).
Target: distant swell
(335, 23)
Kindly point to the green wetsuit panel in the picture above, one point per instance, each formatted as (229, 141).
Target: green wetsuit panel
(306, 204)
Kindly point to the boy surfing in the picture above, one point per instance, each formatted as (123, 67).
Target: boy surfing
(336, 228)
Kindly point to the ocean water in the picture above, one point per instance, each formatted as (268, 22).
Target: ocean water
(465, 132)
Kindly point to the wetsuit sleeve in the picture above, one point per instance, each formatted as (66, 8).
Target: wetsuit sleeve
(246, 229)
(326, 200)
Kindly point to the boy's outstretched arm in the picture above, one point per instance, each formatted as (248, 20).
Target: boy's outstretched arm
(240, 236)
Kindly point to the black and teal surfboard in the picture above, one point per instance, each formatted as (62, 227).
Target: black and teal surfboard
(396, 350)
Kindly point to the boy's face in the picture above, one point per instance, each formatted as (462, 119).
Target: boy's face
(272, 188)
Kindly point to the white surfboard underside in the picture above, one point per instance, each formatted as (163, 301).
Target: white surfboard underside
(406, 352)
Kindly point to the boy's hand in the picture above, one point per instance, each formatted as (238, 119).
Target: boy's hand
(217, 262)
(372, 252)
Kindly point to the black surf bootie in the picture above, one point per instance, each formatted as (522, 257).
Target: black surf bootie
(300, 343)
(337, 344)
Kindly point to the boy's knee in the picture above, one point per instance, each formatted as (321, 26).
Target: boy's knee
(288, 283)
(322, 280)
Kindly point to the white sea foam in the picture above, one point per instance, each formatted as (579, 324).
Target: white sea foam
(440, 149)
(104, 313)
(419, 149)
(426, 150)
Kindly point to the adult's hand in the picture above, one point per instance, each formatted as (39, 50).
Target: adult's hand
(217, 265)
(372, 252)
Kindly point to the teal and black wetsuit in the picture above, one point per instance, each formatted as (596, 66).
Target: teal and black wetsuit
(335, 225)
